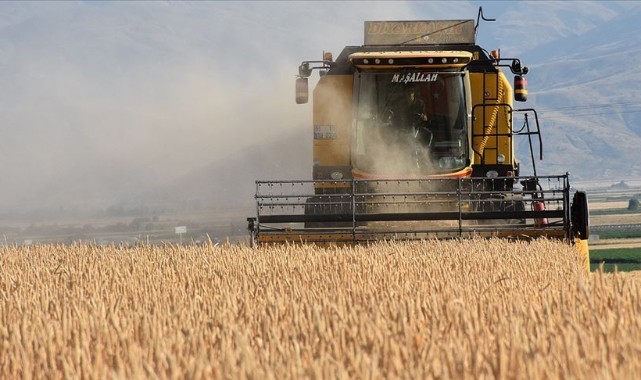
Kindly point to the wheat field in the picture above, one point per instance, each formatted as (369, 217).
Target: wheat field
(434, 309)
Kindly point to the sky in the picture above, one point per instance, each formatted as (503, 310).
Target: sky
(107, 100)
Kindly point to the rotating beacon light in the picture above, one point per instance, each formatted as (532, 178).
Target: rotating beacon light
(520, 88)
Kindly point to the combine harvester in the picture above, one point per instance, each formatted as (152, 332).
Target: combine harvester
(414, 138)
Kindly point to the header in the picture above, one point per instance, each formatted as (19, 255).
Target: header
(439, 32)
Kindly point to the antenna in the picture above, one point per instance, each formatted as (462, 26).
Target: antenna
(480, 17)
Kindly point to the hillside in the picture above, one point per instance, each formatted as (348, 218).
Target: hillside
(587, 91)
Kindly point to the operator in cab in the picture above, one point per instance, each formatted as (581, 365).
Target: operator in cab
(414, 113)
(411, 119)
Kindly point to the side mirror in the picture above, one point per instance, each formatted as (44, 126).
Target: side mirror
(302, 91)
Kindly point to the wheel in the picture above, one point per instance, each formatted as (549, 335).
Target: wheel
(580, 215)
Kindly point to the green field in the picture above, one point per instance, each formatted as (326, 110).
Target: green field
(619, 234)
(623, 259)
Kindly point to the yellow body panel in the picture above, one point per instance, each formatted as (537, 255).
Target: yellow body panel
(333, 107)
(493, 119)
(582, 247)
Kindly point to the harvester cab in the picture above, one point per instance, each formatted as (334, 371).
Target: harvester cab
(414, 137)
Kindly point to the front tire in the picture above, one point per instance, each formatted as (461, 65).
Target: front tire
(580, 215)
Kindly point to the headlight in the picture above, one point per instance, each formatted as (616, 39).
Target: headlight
(492, 174)
(336, 175)
(500, 158)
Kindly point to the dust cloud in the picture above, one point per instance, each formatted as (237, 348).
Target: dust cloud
(156, 104)
(398, 154)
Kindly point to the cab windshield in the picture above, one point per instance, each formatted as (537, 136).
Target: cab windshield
(410, 123)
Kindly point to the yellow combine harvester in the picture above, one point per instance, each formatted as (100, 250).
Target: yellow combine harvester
(414, 138)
